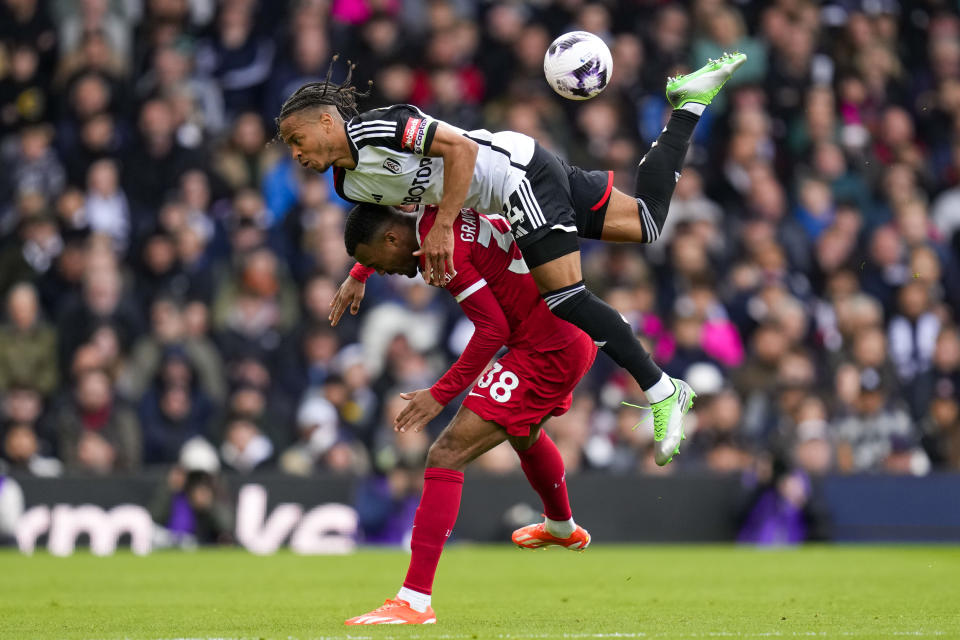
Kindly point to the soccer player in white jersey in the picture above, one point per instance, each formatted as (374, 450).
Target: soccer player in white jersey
(399, 155)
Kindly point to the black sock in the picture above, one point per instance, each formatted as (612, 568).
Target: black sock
(659, 171)
(606, 326)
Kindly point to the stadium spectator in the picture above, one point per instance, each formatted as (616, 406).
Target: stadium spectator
(876, 428)
(155, 161)
(944, 373)
(26, 444)
(38, 243)
(169, 333)
(941, 427)
(106, 206)
(34, 164)
(191, 505)
(28, 345)
(258, 305)
(97, 433)
(237, 57)
(101, 304)
(244, 447)
(320, 442)
(306, 61)
(256, 396)
(21, 450)
(723, 30)
(174, 410)
(785, 510)
(172, 75)
(24, 93)
(244, 159)
(913, 331)
(809, 441)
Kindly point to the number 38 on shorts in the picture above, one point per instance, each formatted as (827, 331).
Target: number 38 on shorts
(525, 386)
(506, 382)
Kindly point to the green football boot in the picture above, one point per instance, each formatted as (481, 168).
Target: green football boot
(668, 421)
(704, 84)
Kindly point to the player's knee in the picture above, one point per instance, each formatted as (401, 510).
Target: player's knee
(653, 215)
(522, 443)
(441, 455)
(563, 301)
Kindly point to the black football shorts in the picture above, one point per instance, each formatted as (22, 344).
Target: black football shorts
(554, 204)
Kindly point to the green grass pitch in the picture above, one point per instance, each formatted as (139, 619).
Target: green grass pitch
(491, 592)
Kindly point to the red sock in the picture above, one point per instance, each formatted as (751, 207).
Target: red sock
(544, 469)
(432, 525)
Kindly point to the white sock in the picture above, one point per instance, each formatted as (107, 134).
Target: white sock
(695, 108)
(662, 390)
(560, 528)
(418, 601)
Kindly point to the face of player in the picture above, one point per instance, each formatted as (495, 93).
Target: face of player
(316, 139)
(391, 254)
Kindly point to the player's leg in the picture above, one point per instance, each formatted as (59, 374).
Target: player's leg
(543, 465)
(466, 437)
(555, 376)
(640, 218)
(561, 285)
(463, 440)
(560, 281)
(544, 222)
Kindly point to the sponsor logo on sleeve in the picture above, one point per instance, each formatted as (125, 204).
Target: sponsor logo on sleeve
(414, 134)
(410, 133)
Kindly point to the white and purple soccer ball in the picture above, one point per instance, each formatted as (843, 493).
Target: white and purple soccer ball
(578, 65)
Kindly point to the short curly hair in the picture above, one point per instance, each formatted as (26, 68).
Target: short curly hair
(364, 222)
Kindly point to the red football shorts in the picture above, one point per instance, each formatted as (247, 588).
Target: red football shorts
(525, 386)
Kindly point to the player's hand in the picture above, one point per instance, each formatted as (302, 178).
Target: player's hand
(437, 248)
(421, 410)
(349, 294)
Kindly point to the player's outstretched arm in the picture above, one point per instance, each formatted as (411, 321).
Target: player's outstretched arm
(459, 158)
(349, 294)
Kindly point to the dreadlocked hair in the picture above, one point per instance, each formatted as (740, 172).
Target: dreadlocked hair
(317, 94)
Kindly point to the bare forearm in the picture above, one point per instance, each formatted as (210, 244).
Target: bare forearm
(458, 165)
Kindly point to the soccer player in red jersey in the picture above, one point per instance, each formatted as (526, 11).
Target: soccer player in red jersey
(534, 380)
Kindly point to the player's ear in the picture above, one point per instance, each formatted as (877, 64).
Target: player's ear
(325, 120)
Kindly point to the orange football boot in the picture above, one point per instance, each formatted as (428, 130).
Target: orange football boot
(395, 612)
(536, 536)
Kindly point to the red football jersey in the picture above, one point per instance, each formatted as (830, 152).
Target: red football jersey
(496, 291)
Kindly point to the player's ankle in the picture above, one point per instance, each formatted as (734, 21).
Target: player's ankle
(663, 389)
(560, 528)
(695, 108)
(419, 602)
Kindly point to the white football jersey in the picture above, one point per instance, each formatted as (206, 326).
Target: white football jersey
(390, 146)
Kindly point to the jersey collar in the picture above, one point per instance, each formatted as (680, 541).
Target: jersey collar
(353, 146)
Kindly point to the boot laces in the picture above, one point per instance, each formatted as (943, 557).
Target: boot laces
(389, 604)
(661, 416)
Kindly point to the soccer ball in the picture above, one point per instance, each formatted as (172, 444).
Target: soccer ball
(578, 65)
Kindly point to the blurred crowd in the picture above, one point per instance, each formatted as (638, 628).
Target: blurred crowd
(166, 269)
